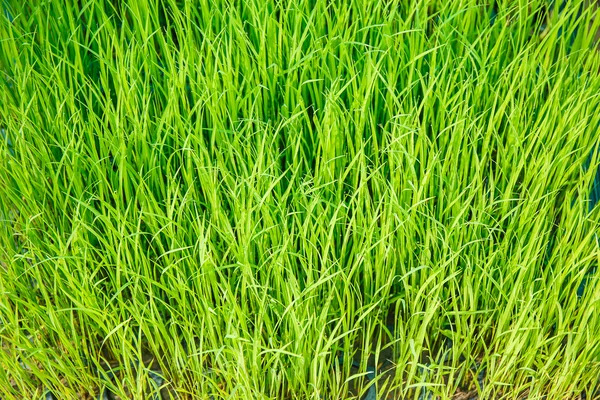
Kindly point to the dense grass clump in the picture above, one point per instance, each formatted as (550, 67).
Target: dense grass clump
(301, 199)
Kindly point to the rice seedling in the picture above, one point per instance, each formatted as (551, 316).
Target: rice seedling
(304, 199)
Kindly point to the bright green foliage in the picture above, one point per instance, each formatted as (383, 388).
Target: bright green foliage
(247, 189)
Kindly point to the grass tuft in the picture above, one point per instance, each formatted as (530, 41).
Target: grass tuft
(299, 200)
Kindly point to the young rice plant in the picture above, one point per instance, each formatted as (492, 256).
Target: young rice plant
(303, 199)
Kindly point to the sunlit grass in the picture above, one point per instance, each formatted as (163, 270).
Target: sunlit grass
(253, 196)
